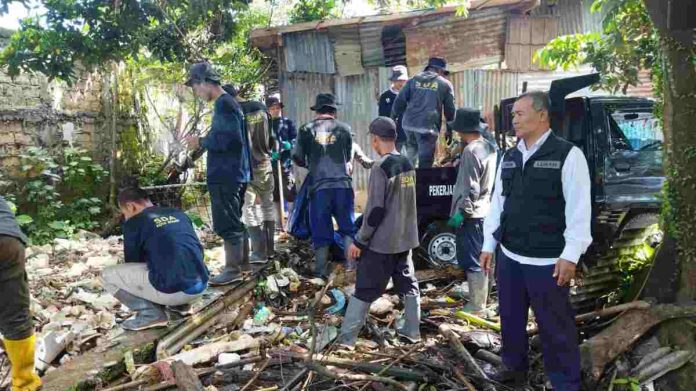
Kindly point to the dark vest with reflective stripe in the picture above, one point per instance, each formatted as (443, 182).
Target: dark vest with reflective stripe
(533, 219)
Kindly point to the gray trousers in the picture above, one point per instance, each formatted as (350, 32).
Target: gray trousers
(258, 199)
(133, 278)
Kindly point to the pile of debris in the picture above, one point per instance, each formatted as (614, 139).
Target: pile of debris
(277, 330)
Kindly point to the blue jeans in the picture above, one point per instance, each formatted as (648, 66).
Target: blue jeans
(520, 286)
(421, 146)
(469, 244)
(325, 204)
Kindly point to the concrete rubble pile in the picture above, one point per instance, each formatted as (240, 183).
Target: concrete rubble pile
(277, 330)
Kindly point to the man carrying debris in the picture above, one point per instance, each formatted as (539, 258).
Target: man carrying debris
(285, 134)
(421, 102)
(164, 262)
(540, 215)
(388, 234)
(471, 201)
(229, 169)
(398, 78)
(259, 216)
(324, 146)
(16, 324)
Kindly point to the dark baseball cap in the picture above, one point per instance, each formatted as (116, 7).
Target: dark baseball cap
(383, 127)
(201, 72)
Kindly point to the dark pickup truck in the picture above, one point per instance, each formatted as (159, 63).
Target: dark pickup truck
(622, 141)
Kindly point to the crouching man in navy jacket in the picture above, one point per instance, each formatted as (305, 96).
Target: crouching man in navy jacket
(164, 262)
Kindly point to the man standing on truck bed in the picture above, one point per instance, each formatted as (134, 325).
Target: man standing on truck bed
(228, 169)
(471, 201)
(421, 102)
(540, 215)
(398, 78)
(324, 146)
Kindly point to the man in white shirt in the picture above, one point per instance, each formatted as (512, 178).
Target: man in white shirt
(540, 215)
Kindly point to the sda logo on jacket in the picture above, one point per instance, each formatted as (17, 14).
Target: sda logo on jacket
(165, 220)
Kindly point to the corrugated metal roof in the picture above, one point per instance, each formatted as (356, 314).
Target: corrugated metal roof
(542, 81)
(308, 52)
(483, 89)
(574, 16)
(371, 42)
(475, 41)
(347, 50)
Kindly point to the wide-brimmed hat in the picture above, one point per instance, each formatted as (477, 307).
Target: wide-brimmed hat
(439, 63)
(399, 73)
(467, 121)
(325, 100)
(383, 127)
(273, 101)
(201, 72)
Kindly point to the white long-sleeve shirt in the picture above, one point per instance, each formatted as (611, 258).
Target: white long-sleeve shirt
(575, 177)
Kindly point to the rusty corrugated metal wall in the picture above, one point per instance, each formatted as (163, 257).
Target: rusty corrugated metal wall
(471, 42)
(574, 16)
(308, 52)
(483, 89)
(371, 42)
(298, 91)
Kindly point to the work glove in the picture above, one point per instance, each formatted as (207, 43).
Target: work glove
(456, 220)
(286, 146)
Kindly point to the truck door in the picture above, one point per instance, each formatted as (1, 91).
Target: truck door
(633, 163)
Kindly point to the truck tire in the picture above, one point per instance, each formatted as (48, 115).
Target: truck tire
(598, 281)
(438, 245)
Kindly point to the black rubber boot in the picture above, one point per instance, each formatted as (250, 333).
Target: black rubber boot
(234, 259)
(147, 314)
(269, 229)
(258, 253)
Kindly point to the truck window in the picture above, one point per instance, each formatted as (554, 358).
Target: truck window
(634, 129)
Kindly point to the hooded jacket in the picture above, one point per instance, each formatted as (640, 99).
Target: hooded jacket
(422, 101)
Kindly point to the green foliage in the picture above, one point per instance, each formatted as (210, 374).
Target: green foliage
(92, 33)
(313, 10)
(628, 43)
(57, 197)
(628, 383)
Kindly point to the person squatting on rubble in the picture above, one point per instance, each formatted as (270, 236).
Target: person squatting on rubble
(228, 169)
(388, 233)
(421, 102)
(471, 201)
(324, 146)
(259, 217)
(163, 262)
(285, 134)
(398, 78)
(540, 218)
(16, 323)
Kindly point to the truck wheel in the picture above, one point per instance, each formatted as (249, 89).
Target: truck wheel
(439, 246)
(604, 277)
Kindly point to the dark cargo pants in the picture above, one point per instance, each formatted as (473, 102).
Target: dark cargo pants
(15, 318)
(375, 269)
(226, 202)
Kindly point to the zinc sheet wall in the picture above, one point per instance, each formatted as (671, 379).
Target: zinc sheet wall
(308, 52)
(371, 42)
(298, 91)
(574, 16)
(347, 50)
(483, 89)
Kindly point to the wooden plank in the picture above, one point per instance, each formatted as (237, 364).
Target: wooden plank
(550, 29)
(525, 31)
(513, 33)
(512, 56)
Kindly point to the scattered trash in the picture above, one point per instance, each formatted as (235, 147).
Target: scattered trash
(340, 301)
(262, 315)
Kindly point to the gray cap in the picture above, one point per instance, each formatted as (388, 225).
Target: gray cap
(201, 72)
(383, 127)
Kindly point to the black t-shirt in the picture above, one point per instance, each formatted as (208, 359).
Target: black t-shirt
(386, 101)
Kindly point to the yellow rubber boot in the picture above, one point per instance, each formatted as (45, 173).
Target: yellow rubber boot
(21, 354)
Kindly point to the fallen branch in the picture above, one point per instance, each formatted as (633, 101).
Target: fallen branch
(603, 313)
(399, 373)
(208, 352)
(256, 376)
(485, 355)
(458, 374)
(323, 371)
(396, 361)
(464, 354)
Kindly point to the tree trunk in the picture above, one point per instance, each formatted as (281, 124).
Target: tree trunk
(671, 18)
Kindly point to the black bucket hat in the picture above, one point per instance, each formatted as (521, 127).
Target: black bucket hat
(439, 63)
(325, 100)
(467, 121)
(201, 72)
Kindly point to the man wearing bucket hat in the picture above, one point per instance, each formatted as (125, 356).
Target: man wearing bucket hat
(324, 146)
(398, 78)
(228, 169)
(471, 201)
(421, 102)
